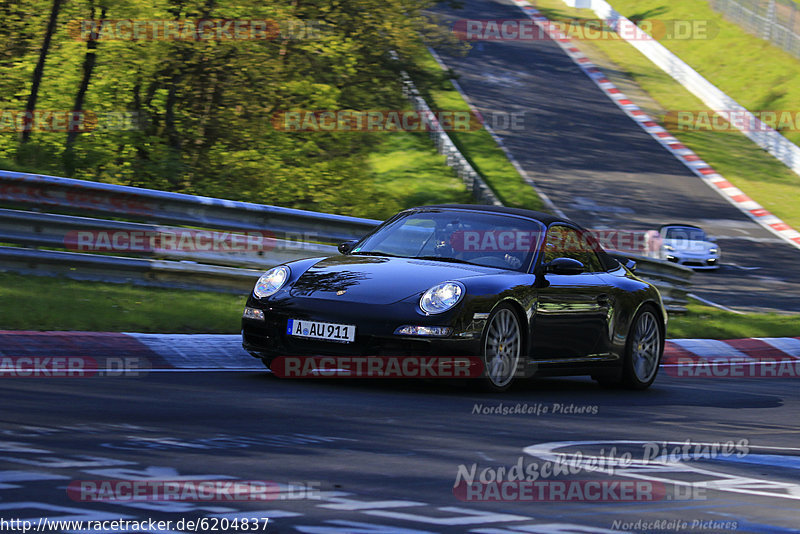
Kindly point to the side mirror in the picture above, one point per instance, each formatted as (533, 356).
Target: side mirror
(564, 266)
(347, 246)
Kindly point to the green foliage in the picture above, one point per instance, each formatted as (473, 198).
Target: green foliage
(205, 108)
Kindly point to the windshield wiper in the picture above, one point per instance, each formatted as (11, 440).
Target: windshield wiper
(443, 258)
(370, 253)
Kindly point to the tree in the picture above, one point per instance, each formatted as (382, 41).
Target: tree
(88, 67)
(38, 72)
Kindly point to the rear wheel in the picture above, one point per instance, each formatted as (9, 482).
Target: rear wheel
(643, 350)
(502, 347)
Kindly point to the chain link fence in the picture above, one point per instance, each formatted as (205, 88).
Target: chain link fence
(777, 21)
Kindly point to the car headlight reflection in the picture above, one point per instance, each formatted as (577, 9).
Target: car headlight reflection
(432, 331)
(713, 250)
(441, 297)
(271, 281)
(669, 247)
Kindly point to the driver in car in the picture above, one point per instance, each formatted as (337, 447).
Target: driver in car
(449, 242)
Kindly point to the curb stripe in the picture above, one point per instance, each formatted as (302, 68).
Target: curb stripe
(211, 352)
(757, 348)
(190, 351)
(789, 345)
(674, 354)
(99, 346)
(711, 348)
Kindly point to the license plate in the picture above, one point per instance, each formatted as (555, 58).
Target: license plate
(343, 333)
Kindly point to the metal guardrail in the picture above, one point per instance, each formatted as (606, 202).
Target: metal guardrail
(138, 271)
(674, 282)
(296, 234)
(777, 21)
(216, 270)
(481, 191)
(150, 205)
(28, 228)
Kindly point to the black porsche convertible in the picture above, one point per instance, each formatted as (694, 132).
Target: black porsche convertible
(521, 292)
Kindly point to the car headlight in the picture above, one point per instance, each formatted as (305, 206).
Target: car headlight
(669, 247)
(441, 297)
(271, 281)
(713, 250)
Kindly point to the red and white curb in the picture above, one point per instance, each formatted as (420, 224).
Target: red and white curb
(679, 351)
(224, 351)
(685, 155)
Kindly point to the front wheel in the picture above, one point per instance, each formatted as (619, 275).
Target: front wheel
(643, 350)
(502, 347)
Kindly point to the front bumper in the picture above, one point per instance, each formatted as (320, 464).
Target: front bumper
(268, 338)
(693, 261)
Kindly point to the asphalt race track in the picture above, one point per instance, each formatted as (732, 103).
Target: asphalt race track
(382, 456)
(604, 171)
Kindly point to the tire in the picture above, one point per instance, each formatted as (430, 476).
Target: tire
(501, 348)
(643, 350)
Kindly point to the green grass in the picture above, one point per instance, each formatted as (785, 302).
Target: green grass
(407, 171)
(756, 74)
(40, 303)
(703, 321)
(478, 146)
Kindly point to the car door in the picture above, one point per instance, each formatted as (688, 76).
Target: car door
(572, 310)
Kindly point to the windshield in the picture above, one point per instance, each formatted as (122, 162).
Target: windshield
(685, 233)
(488, 239)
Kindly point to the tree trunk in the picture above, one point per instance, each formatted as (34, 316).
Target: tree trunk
(39, 70)
(88, 66)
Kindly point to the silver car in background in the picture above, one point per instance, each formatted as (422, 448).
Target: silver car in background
(686, 245)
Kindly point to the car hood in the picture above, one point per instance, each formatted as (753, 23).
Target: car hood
(697, 247)
(377, 280)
